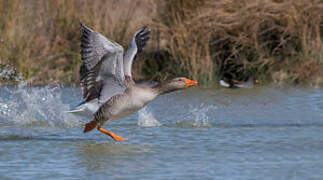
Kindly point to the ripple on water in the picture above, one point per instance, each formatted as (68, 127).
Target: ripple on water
(280, 139)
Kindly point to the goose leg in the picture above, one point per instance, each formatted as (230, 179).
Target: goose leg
(111, 134)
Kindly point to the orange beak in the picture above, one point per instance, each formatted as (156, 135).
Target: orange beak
(189, 82)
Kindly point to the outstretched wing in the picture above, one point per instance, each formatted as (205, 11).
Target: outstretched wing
(138, 41)
(101, 73)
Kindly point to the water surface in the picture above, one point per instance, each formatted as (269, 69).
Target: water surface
(215, 133)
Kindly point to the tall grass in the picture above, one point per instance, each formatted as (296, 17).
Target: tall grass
(42, 38)
(274, 40)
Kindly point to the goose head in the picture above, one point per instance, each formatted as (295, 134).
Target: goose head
(181, 82)
(175, 84)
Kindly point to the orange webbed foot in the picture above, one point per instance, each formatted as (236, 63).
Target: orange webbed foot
(111, 134)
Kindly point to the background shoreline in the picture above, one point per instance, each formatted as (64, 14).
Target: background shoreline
(277, 41)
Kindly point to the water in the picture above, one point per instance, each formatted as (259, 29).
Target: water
(216, 133)
(147, 119)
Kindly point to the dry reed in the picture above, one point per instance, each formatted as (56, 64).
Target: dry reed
(279, 40)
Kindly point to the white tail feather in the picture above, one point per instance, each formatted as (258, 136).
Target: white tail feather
(86, 109)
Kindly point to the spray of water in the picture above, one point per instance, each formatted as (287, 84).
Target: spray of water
(9, 74)
(42, 106)
(147, 119)
(198, 116)
(29, 106)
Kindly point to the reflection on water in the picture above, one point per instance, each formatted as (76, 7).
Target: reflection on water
(216, 133)
(113, 159)
(92, 152)
(104, 149)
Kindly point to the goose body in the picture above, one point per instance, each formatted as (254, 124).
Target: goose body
(108, 89)
(134, 98)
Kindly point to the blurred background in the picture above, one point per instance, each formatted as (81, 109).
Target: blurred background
(272, 131)
(276, 41)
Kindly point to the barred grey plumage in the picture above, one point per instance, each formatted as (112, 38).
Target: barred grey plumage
(102, 74)
(105, 67)
(108, 88)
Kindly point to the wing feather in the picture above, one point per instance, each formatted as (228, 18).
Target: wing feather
(101, 74)
(139, 40)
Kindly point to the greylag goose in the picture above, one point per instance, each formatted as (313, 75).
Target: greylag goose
(109, 91)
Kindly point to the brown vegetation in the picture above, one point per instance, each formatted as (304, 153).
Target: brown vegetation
(279, 40)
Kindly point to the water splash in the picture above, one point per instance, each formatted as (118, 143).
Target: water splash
(8, 74)
(147, 119)
(198, 116)
(201, 119)
(34, 106)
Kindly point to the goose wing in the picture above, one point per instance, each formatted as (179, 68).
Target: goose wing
(101, 74)
(138, 41)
